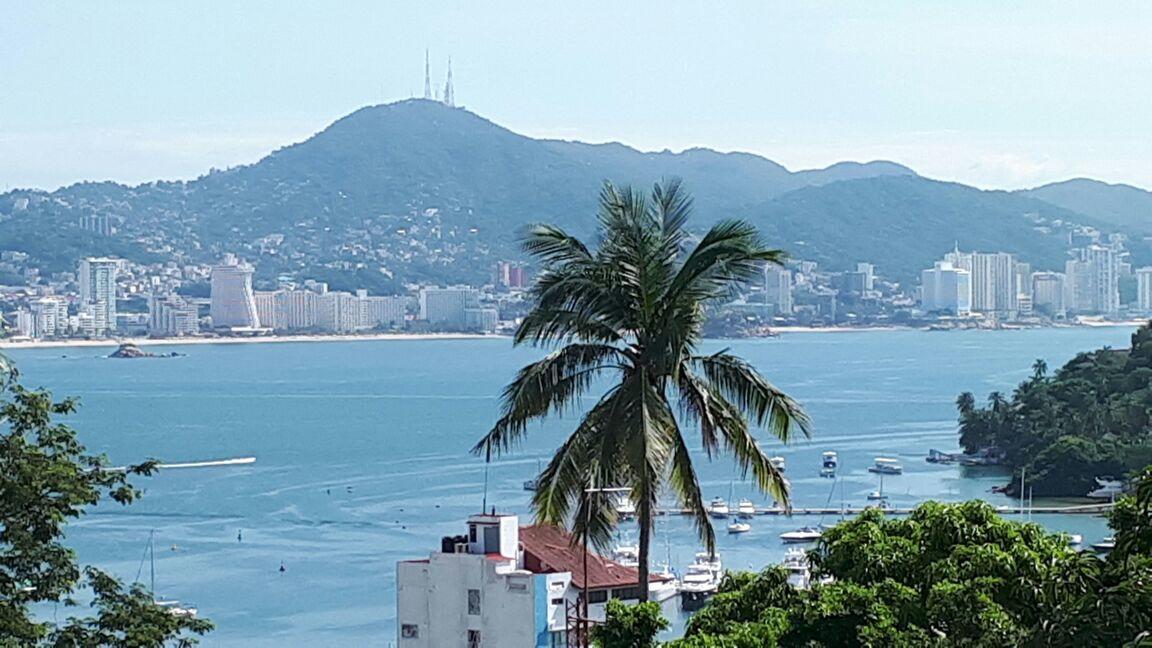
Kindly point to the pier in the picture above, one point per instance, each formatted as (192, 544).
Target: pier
(1081, 509)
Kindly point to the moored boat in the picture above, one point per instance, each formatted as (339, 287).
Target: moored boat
(746, 508)
(886, 466)
(736, 527)
(718, 508)
(804, 534)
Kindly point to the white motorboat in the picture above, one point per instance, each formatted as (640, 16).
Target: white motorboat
(1108, 489)
(1105, 545)
(746, 508)
(827, 472)
(805, 534)
(700, 581)
(625, 507)
(886, 466)
(877, 495)
(796, 564)
(778, 463)
(718, 508)
(626, 554)
(1075, 539)
(534, 483)
(830, 459)
(736, 526)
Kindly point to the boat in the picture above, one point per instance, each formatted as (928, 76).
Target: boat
(796, 564)
(828, 472)
(778, 463)
(877, 495)
(746, 508)
(804, 534)
(736, 527)
(700, 581)
(718, 508)
(534, 483)
(625, 507)
(172, 606)
(626, 554)
(886, 466)
(830, 459)
(1075, 539)
(1107, 489)
(1105, 545)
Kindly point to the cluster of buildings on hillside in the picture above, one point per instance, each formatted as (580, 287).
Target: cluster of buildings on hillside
(233, 307)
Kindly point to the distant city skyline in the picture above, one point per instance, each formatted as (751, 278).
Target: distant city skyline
(979, 93)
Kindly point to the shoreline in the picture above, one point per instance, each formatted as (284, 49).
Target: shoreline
(386, 337)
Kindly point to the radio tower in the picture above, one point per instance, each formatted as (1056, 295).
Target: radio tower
(427, 77)
(449, 94)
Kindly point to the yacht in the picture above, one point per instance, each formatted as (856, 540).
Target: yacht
(718, 508)
(1105, 545)
(831, 459)
(886, 466)
(1108, 489)
(1075, 539)
(746, 508)
(736, 527)
(778, 463)
(626, 554)
(700, 581)
(796, 564)
(625, 507)
(805, 534)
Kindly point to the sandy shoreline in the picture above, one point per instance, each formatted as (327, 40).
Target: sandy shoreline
(383, 337)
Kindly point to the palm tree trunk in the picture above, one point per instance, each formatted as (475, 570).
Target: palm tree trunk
(644, 517)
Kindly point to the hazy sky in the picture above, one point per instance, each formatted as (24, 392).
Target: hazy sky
(974, 91)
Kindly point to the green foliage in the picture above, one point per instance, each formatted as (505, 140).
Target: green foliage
(631, 312)
(1093, 418)
(947, 575)
(629, 626)
(46, 479)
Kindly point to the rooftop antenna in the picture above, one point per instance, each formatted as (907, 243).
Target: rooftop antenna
(427, 77)
(449, 94)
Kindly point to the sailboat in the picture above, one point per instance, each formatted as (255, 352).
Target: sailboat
(534, 483)
(174, 608)
(878, 494)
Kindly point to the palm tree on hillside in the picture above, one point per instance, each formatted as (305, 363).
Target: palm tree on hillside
(631, 310)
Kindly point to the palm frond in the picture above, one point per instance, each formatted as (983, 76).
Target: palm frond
(769, 407)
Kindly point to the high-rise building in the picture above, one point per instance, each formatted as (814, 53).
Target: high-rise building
(387, 312)
(267, 309)
(1144, 289)
(778, 288)
(1048, 293)
(98, 293)
(233, 302)
(172, 316)
(338, 312)
(994, 283)
(1103, 266)
(444, 307)
(946, 288)
(868, 275)
(46, 317)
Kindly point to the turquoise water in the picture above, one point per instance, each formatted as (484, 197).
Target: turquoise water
(362, 457)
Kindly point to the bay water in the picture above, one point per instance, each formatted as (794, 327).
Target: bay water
(362, 458)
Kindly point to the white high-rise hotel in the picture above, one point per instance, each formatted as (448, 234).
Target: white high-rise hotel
(98, 293)
(946, 289)
(233, 304)
(993, 280)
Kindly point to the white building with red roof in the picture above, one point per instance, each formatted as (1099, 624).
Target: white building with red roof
(503, 585)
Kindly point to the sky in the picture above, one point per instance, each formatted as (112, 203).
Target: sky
(990, 93)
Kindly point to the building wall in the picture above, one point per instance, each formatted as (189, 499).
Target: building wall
(233, 302)
(1144, 289)
(98, 292)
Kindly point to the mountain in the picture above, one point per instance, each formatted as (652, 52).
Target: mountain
(1119, 205)
(419, 191)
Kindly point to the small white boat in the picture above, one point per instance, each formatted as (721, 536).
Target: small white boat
(886, 466)
(625, 507)
(718, 508)
(778, 463)
(805, 534)
(796, 564)
(746, 508)
(830, 459)
(1107, 489)
(736, 526)
(1105, 545)
(827, 472)
(877, 495)
(1075, 539)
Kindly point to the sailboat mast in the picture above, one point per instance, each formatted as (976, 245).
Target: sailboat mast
(152, 561)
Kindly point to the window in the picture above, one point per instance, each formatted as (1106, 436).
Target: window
(471, 533)
(473, 602)
(557, 601)
(473, 639)
(597, 596)
(626, 593)
(557, 639)
(409, 631)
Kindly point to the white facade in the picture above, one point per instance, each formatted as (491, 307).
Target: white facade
(1103, 266)
(444, 307)
(1144, 289)
(946, 288)
(233, 303)
(778, 288)
(172, 316)
(98, 293)
(382, 312)
(994, 283)
(46, 317)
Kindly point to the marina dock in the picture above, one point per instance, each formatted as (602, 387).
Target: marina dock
(1082, 509)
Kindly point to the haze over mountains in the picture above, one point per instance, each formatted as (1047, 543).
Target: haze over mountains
(351, 201)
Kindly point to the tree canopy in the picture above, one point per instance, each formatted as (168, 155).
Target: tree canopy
(1093, 418)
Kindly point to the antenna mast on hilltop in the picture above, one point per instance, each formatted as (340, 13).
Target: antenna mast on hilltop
(449, 93)
(427, 77)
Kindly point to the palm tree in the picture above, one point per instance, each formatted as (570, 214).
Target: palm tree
(631, 310)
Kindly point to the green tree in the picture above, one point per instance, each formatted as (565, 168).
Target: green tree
(46, 479)
(629, 626)
(632, 311)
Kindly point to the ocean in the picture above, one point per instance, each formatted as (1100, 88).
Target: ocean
(362, 458)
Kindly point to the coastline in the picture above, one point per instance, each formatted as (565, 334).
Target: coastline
(264, 339)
